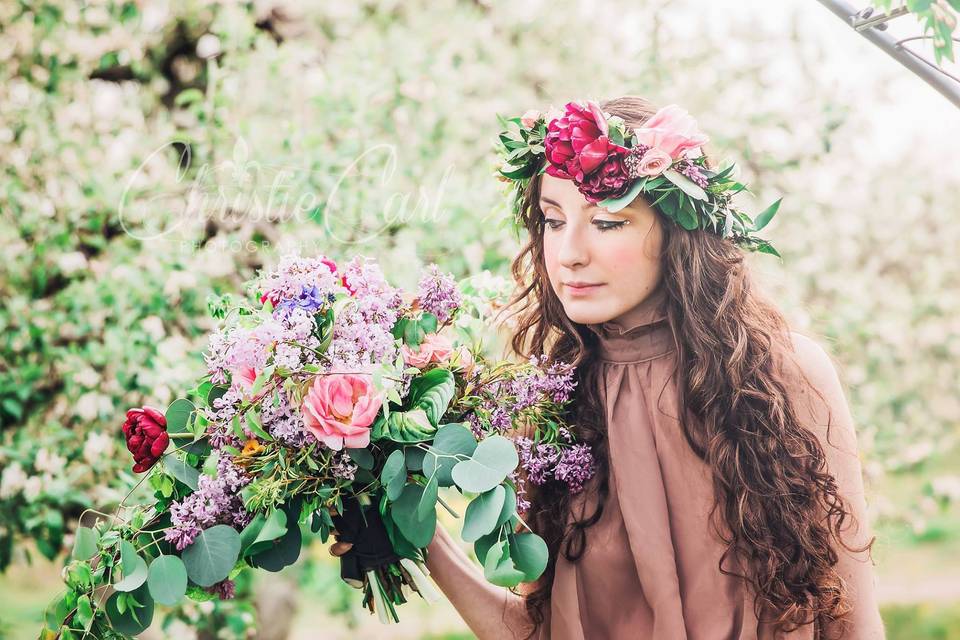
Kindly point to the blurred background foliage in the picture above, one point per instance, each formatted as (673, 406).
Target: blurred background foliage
(156, 152)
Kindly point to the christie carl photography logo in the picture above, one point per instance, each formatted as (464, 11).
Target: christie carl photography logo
(353, 201)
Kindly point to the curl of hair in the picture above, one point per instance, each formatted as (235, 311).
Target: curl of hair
(777, 508)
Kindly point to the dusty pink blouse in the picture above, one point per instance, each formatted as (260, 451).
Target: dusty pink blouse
(650, 567)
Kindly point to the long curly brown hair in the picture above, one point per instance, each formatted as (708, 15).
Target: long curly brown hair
(780, 506)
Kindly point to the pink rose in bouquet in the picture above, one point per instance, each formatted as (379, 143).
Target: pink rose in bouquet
(340, 408)
(435, 348)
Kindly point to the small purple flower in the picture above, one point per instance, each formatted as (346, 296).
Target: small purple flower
(438, 294)
(575, 467)
(693, 171)
(309, 298)
(225, 589)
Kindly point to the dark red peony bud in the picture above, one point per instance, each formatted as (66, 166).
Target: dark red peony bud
(146, 433)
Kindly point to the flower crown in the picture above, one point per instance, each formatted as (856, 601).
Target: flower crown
(612, 165)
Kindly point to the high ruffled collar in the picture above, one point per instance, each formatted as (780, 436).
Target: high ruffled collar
(646, 337)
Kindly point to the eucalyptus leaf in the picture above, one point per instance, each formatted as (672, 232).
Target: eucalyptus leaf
(482, 514)
(212, 555)
(178, 414)
(167, 579)
(428, 500)
(451, 440)
(494, 458)
(498, 567)
(85, 543)
(131, 621)
(529, 554)
(134, 568)
(394, 474)
(180, 470)
(405, 513)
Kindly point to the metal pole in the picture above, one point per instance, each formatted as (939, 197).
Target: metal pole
(925, 70)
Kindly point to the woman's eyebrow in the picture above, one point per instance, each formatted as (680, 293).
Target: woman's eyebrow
(584, 207)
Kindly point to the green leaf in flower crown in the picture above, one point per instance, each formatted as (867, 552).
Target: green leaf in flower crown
(616, 204)
(274, 526)
(451, 440)
(498, 567)
(180, 470)
(167, 579)
(766, 215)
(405, 513)
(212, 555)
(685, 184)
(178, 414)
(482, 514)
(362, 457)
(134, 568)
(494, 458)
(428, 322)
(130, 613)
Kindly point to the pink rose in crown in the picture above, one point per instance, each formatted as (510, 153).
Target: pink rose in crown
(435, 348)
(529, 118)
(654, 162)
(673, 131)
(339, 409)
(578, 148)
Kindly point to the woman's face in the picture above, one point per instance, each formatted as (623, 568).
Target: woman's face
(617, 253)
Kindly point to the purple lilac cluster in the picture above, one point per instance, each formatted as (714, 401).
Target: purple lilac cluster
(216, 501)
(362, 334)
(556, 382)
(693, 171)
(438, 294)
(571, 464)
(284, 422)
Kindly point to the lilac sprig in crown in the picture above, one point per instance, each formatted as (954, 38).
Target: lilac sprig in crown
(611, 165)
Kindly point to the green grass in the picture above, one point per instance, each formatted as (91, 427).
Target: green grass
(922, 621)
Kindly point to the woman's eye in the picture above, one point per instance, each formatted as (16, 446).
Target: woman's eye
(552, 224)
(606, 225)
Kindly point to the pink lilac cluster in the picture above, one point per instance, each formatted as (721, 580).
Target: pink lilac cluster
(295, 274)
(241, 349)
(284, 422)
(438, 294)
(216, 501)
(362, 333)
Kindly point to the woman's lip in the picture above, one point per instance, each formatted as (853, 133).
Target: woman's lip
(582, 289)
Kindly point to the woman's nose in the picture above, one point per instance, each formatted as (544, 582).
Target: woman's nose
(573, 249)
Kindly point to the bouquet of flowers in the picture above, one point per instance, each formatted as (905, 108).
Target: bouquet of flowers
(332, 403)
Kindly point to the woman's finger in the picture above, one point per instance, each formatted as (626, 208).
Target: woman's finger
(340, 548)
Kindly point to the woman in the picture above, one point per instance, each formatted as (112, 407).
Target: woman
(728, 500)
